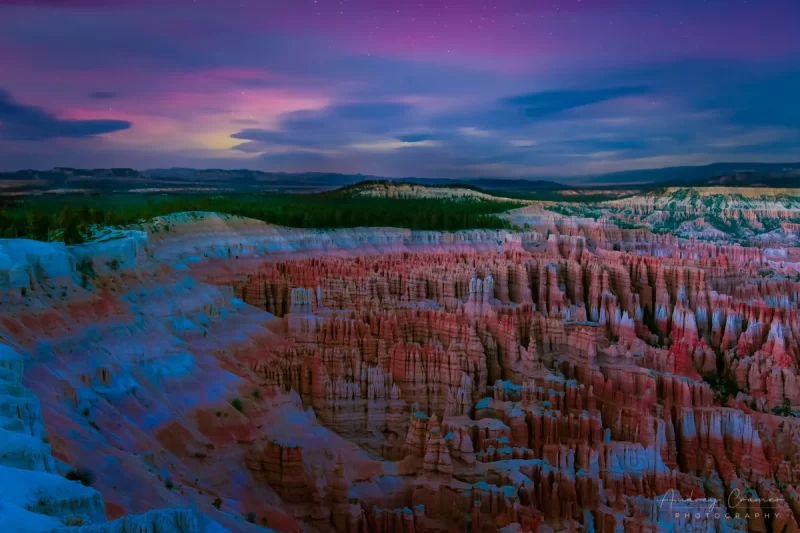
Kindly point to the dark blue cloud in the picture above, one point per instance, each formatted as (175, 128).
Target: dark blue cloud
(250, 147)
(330, 126)
(256, 134)
(22, 122)
(366, 117)
(257, 137)
(742, 93)
(515, 113)
(770, 101)
(543, 104)
(415, 138)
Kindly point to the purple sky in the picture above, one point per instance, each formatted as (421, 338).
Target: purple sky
(399, 88)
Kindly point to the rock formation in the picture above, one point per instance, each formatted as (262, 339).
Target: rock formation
(575, 375)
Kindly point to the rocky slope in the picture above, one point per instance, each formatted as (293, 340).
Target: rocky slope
(746, 215)
(384, 189)
(577, 374)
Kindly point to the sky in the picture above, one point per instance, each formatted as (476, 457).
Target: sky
(458, 88)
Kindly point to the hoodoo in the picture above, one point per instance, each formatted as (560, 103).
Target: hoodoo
(396, 381)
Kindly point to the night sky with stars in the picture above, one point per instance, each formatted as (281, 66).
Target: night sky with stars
(458, 88)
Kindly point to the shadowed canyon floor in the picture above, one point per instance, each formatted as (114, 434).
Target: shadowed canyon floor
(589, 372)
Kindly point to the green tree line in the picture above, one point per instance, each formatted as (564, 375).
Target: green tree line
(72, 218)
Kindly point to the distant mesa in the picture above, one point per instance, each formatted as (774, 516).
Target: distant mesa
(716, 173)
(64, 179)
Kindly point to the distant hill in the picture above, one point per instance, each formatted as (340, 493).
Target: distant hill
(246, 180)
(706, 174)
(65, 178)
(177, 179)
(517, 184)
(213, 174)
(107, 180)
(60, 174)
(756, 179)
(505, 184)
(171, 179)
(414, 189)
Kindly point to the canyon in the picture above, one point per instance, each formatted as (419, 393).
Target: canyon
(602, 367)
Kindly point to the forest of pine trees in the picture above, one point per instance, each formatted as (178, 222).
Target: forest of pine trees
(73, 218)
